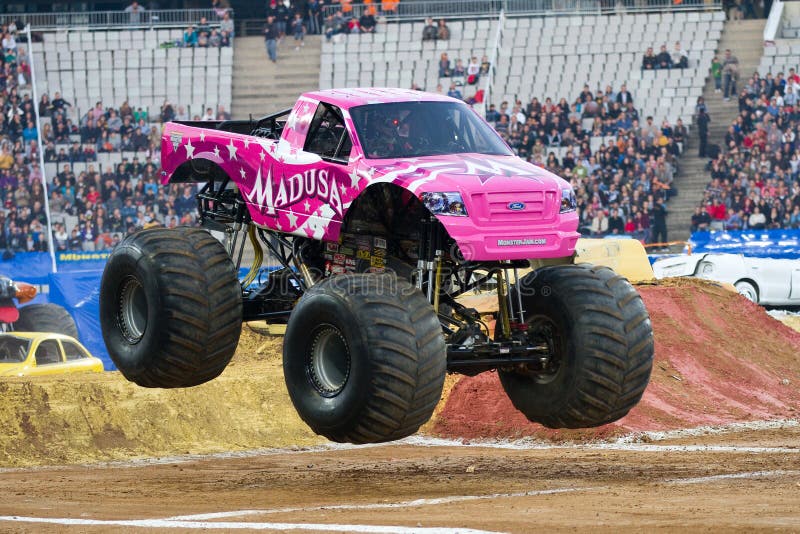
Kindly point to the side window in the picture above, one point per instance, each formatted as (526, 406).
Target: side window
(327, 135)
(48, 352)
(72, 351)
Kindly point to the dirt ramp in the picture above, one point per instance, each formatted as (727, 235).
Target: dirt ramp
(95, 418)
(719, 359)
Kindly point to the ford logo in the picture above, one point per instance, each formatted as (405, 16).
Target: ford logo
(516, 206)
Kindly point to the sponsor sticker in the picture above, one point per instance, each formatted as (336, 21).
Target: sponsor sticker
(521, 242)
(362, 254)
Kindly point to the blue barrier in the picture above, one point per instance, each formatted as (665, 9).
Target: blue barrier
(756, 243)
(79, 293)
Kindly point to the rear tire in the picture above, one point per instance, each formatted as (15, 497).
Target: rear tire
(170, 307)
(602, 344)
(46, 318)
(364, 358)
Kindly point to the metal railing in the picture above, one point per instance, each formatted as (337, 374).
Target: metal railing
(459, 9)
(163, 18)
(494, 54)
(35, 98)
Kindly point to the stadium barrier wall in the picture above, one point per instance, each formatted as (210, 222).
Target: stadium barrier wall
(757, 243)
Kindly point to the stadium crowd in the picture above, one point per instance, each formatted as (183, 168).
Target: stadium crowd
(23, 218)
(755, 179)
(92, 204)
(620, 164)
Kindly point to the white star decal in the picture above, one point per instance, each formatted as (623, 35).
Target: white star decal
(342, 188)
(292, 219)
(262, 155)
(232, 150)
(216, 151)
(202, 136)
(242, 173)
(306, 206)
(246, 142)
(354, 178)
(189, 149)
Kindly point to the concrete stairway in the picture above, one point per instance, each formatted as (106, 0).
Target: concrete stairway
(261, 87)
(746, 41)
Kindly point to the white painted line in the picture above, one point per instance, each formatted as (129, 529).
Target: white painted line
(225, 525)
(381, 506)
(708, 430)
(715, 478)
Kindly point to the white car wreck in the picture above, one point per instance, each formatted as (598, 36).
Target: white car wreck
(774, 282)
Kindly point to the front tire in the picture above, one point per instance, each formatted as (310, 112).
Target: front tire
(747, 290)
(601, 342)
(170, 307)
(46, 318)
(364, 358)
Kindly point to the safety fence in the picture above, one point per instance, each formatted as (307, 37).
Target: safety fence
(102, 20)
(455, 9)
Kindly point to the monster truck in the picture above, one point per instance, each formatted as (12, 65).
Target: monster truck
(382, 209)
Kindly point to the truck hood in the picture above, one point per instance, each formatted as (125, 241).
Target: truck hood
(464, 173)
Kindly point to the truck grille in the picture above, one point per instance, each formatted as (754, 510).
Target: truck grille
(493, 208)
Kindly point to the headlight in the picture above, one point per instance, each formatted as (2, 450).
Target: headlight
(568, 201)
(444, 203)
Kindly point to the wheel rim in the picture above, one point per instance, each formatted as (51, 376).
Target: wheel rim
(747, 292)
(328, 364)
(132, 313)
(544, 329)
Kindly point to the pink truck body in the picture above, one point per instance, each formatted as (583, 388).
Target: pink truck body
(513, 206)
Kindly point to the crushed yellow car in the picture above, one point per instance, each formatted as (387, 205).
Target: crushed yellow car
(37, 354)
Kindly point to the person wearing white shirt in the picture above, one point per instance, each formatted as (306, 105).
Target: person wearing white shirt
(789, 97)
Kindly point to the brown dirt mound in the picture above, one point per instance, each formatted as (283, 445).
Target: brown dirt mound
(99, 417)
(719, 359)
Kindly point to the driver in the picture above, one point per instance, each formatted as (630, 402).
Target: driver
(392, 138)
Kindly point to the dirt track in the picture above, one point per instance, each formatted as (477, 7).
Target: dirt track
(753, 482)
(746, 478)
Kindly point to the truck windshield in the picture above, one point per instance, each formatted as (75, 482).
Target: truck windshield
(412, 129)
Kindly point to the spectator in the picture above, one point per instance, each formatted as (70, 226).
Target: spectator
(135, 11)
(222, 115)
(716, 73)
(459, 71)
(680, 58)
(454, 92)
(599, 224)
(444, 66)
(298, 31)
(442, 32)
(624, 96)
(429, 33)
(702, 131)
(271, 35)
(190, 37)
(701, 220)
(485, 66)
(226, 25)
(367, 21)
(730, 74)
(663, 59)
(649, 62)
